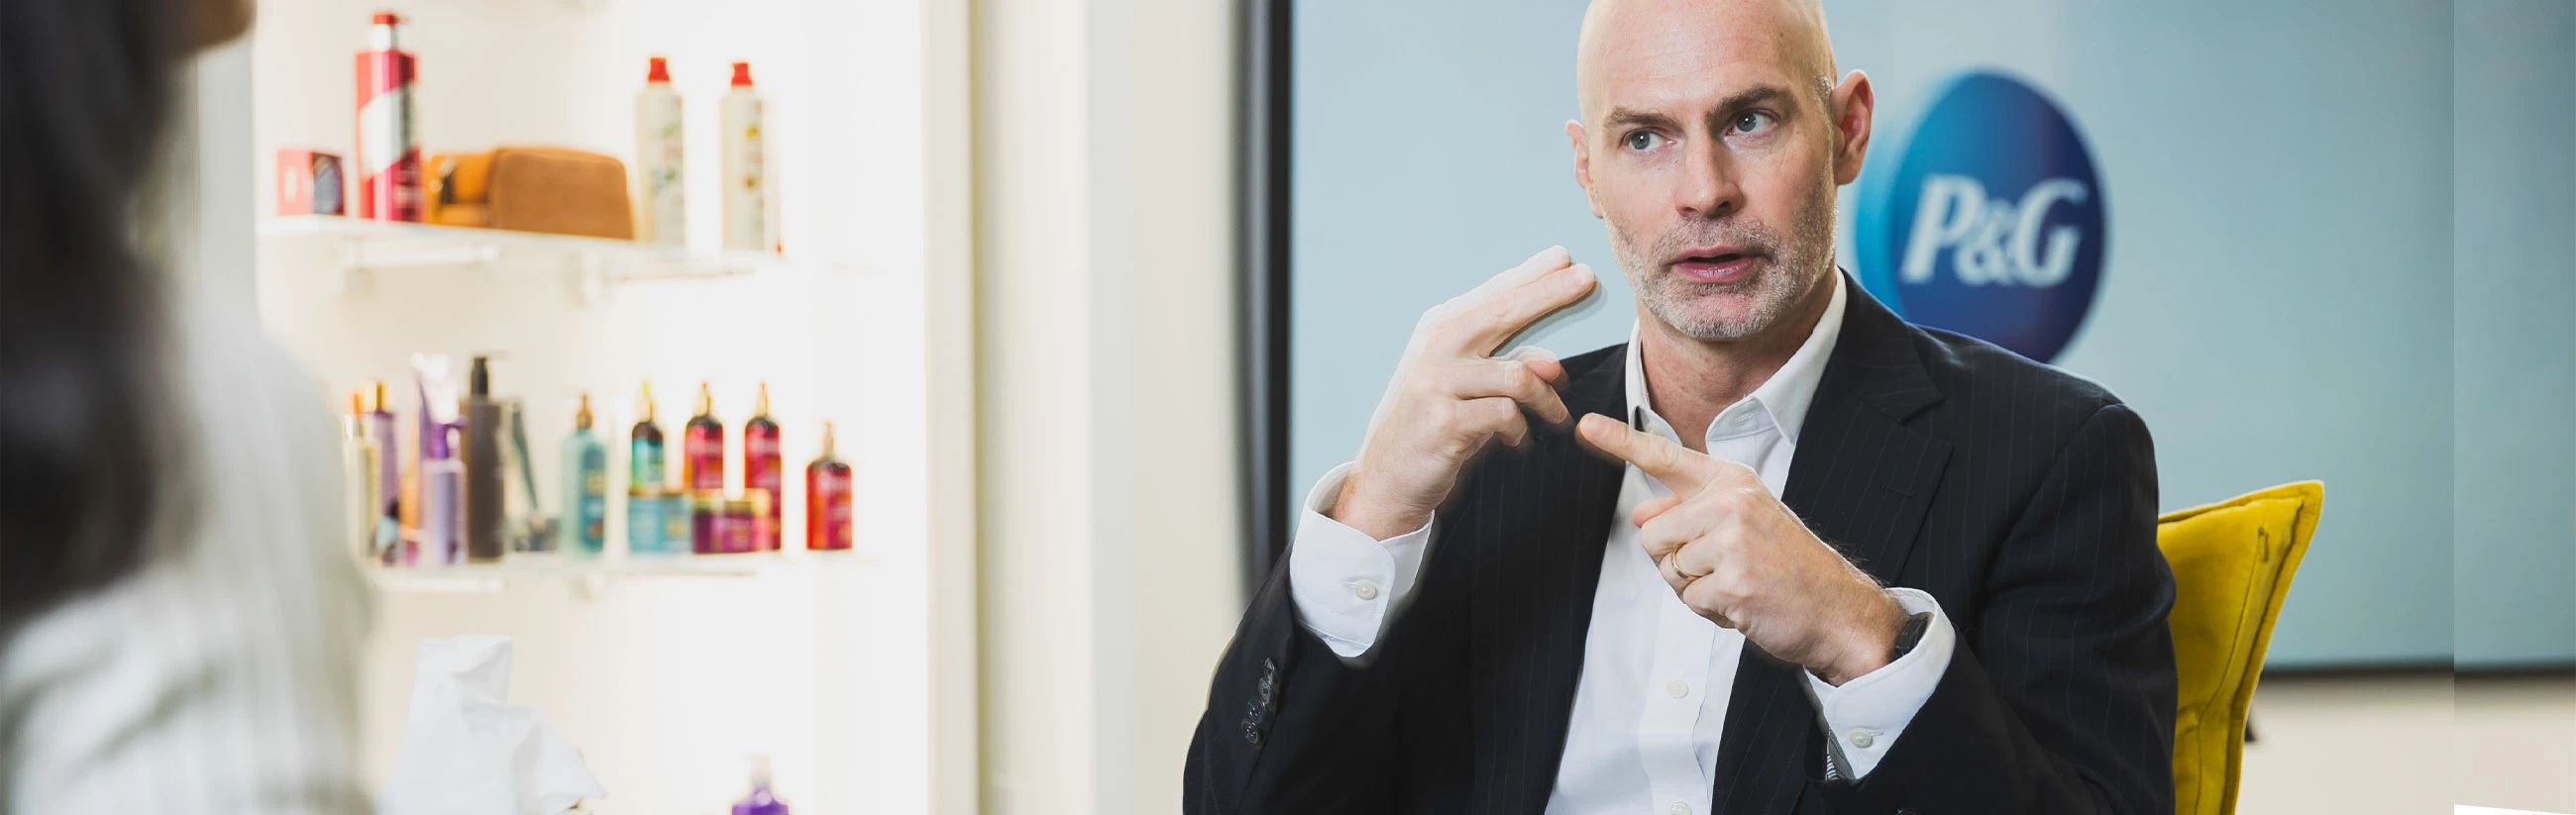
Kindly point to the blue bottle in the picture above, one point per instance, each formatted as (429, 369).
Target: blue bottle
(584, 528)
(644, 521)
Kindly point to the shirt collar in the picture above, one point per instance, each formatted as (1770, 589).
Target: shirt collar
(1783, 398)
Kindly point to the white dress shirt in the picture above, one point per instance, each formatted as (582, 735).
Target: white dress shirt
(1651, 702)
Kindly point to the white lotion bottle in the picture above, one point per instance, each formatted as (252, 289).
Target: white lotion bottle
(746, 181)
(659, 191)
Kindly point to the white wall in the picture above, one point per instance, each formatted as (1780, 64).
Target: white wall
(1106, 323)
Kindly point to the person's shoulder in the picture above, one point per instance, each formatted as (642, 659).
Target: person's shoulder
(1981, 379)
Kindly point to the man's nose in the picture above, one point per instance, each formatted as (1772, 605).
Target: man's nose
(1708, 188)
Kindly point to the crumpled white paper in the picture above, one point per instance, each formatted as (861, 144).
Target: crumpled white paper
(467, 751)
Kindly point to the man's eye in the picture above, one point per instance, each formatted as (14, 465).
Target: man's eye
(1643, 140)
(1752, 122)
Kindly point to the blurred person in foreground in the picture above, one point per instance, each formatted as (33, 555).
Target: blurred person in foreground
(179, 626)
(1814, 559)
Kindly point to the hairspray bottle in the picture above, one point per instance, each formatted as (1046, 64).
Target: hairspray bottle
(762, 471)
(389, 176)
(659, 189)
(644, 470)
(827, 499)
(746, 180)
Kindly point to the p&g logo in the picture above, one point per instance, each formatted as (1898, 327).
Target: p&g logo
(1991, 225)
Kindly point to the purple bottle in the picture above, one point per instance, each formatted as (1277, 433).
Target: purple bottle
(761, 801)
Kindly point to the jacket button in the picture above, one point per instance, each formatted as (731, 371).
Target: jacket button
(1251, 734)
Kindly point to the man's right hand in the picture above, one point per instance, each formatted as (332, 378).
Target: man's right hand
(1451, 395)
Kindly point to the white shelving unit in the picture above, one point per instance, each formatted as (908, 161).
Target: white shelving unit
(595, 572)
(362, 244)
(667, 672)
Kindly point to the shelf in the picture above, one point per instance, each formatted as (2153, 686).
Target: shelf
(367, 244)
(593, 572)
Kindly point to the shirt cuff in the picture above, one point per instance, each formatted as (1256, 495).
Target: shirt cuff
(1343, 581)
(1865, 716)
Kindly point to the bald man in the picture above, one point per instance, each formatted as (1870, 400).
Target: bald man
(1779, 553)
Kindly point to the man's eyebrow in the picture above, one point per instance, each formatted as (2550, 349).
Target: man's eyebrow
(1752, 96)
(1623, 116)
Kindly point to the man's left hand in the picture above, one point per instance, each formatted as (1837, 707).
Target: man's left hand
(1739, 557)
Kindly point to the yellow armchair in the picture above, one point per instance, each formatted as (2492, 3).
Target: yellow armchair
(2232, 563)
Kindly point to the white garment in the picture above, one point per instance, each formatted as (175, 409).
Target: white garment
(221, 677)
(1651, 702)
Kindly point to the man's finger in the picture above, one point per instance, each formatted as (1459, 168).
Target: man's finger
(1502, 377)
(1492, 323)
(1648, 510)
(1539, 361)
(1681, 470)
(1547, 260)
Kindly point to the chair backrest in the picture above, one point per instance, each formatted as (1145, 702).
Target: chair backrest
(2232, 562)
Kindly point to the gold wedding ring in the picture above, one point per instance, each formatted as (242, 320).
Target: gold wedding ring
(1672, 563)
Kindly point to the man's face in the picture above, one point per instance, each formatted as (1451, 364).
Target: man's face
(1710, 146)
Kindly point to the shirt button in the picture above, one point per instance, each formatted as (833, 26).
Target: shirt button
(1681, 808)
(1677, 688)
(1859, 738)
(1366, 589)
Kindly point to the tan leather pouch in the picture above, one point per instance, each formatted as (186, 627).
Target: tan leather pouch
(532, 189)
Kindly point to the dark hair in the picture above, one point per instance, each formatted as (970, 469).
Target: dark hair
(85, 90)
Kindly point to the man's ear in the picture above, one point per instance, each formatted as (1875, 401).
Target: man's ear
(1582, 163)
(1853, 103)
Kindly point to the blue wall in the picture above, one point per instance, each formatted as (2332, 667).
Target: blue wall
(2279, 299)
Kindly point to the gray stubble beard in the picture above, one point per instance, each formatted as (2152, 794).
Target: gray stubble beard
(1786, 273)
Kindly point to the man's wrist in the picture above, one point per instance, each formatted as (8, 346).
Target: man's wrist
(1352, 508)
(1871, 642)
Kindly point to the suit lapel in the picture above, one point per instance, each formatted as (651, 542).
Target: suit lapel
(1538, 535)
(1862, 480)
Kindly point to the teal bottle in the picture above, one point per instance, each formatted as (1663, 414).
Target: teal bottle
(585, 504)
(644, 522)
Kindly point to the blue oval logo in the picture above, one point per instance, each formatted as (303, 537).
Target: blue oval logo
(1992, 224)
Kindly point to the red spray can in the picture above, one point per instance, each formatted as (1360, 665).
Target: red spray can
(389, 172)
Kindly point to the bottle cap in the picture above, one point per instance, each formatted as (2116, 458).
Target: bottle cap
(581, 418)
(760, 771)
(358, 403)
(644, 402)
(479, 381)
(388, 18)
(827, 438)
(381, 405)
(760, 404)
(706, 399)
(742, 74)
(659, 70)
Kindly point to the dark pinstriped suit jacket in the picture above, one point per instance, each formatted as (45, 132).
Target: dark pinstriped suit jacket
(2021, 497)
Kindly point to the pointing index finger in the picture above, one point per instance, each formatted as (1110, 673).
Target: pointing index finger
(1676, 466)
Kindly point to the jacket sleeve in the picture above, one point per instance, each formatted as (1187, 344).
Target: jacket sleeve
(2061, 700)
(1289, 727)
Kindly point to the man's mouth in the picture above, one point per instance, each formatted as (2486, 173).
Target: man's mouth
(1715, 264)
